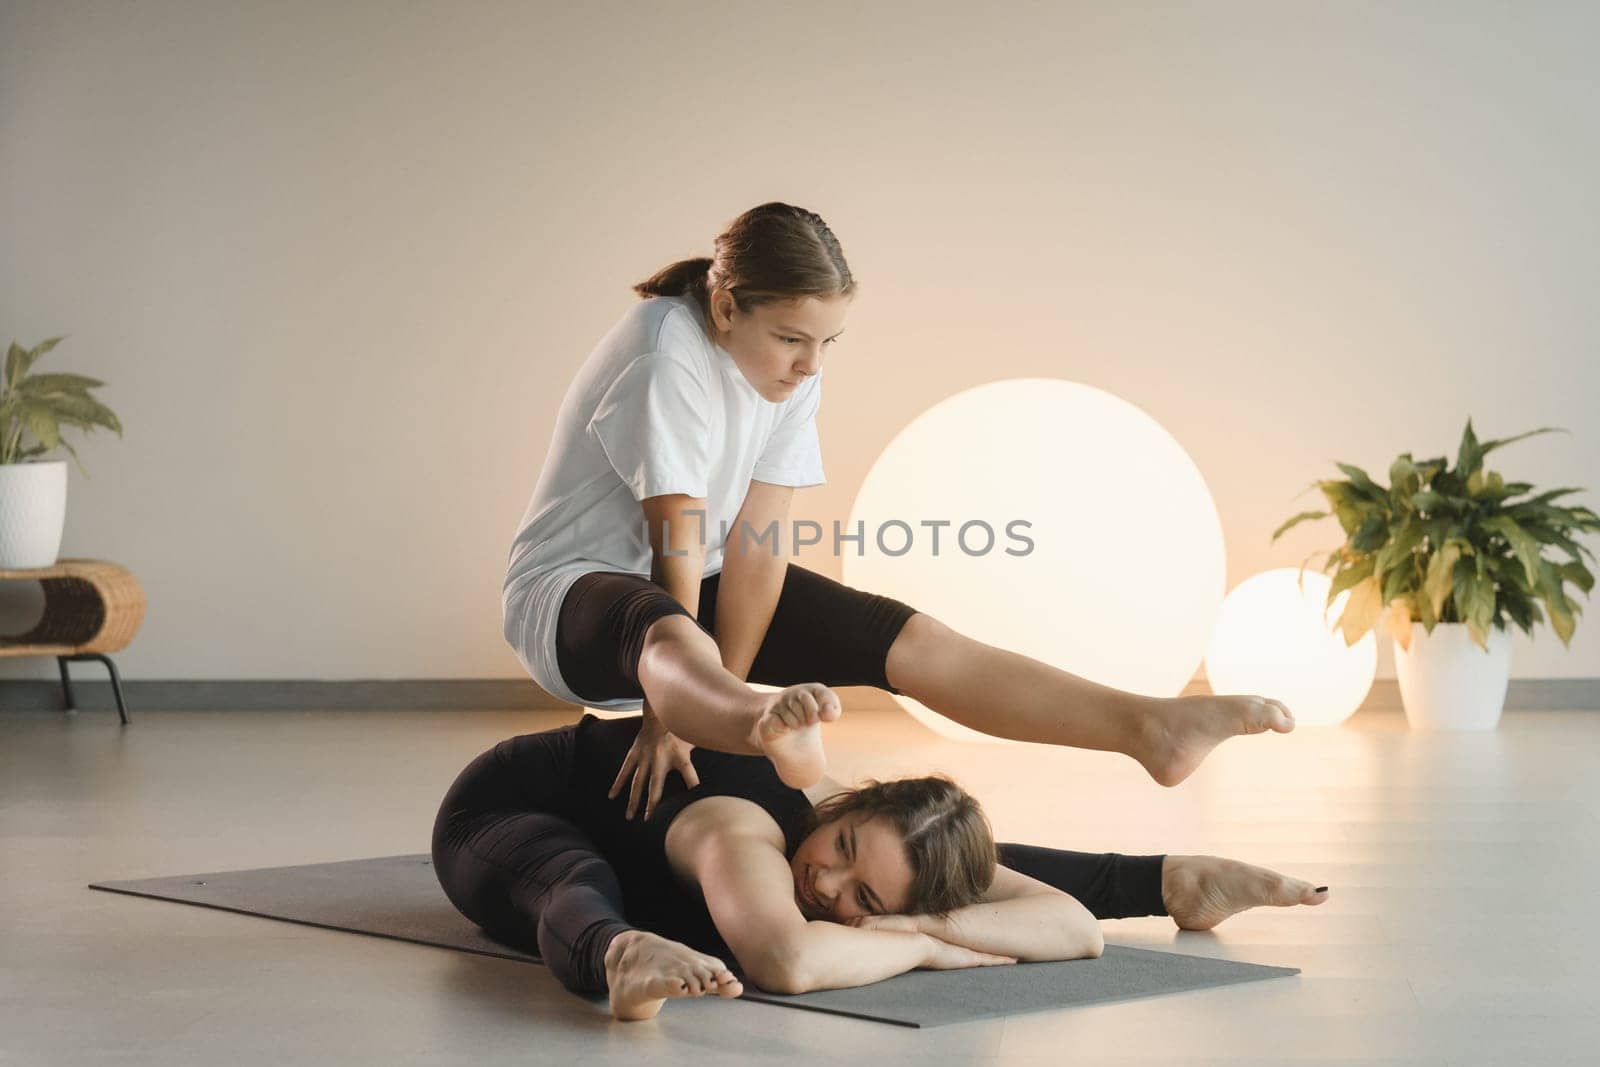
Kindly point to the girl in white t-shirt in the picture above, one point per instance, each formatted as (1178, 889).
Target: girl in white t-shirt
(639, 579)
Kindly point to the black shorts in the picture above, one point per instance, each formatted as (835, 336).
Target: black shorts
(821, 631)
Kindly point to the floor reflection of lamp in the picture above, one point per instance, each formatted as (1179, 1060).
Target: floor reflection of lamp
(1076, 530)
(1271, 640)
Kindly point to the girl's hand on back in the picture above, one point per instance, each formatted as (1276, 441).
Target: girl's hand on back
(656, 752)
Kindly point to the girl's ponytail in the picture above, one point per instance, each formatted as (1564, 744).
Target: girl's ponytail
(679, 279)
(773, 252)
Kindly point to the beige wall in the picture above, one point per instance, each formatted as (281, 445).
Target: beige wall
(338, 261)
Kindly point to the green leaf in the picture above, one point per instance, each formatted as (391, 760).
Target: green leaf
(1436, 586)
(1350, 576)
(80, 411)
(1522, 543)
(1464, 580)
(1403, 477)
(1347, 506)
(1401, 543)
(1372, 534)
(46, 384)
(43, 426)
(1502, 442)
(1363, 484)
(1556, 603)
(1578, 575)
(1397, 581)
(29, 358)
(1302, 517)
(1361, 611)
(1470, 455)
(16, 355)
(1543, 498)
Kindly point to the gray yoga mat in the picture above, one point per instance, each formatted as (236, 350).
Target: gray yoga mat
(398, 897)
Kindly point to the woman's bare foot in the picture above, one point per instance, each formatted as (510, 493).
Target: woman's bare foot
(643, 970)
(1201, 891)
(1181, 731)
(789, 731)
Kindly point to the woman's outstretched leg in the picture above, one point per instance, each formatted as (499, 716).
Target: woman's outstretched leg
(1198, 892)
(823, 630)
(1010, 695)
(1110, 884)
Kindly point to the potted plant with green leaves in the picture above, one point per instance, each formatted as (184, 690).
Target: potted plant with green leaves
(33, 491)
(1442, 559)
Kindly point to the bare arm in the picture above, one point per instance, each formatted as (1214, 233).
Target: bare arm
(752, 574)
(677, 547)
(1018, 916)
(734, 851)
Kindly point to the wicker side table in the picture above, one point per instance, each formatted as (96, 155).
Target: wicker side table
(91, 607)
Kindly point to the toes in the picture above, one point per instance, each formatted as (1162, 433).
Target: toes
(1292, 891)
(1278, 715)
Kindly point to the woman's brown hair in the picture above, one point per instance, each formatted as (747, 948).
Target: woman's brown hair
(947, 837)
(774, 253)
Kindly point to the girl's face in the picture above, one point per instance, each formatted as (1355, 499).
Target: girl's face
(777, 346)
(851, 867)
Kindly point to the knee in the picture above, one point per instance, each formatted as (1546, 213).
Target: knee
(667, 640)
(921, 636)
(923, 643)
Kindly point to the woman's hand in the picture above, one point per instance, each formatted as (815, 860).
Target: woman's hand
(943, 956)
(656, 752)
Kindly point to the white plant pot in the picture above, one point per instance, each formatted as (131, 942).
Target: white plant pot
(33, 513)
(1448, 683)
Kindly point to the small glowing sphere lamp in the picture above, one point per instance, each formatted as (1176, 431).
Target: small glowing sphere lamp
(1273, 639)
(1052, 519)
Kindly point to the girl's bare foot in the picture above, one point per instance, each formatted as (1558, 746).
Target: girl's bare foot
(1182, 731)
(643, 970)
(789, 731)
(1201, 891)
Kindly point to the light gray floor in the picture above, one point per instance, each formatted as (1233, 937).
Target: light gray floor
(1460, 928)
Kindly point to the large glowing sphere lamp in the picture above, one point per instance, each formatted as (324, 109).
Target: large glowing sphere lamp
(1051, 519)
(1275, 639)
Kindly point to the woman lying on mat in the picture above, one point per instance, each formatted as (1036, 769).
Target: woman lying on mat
(817, 889)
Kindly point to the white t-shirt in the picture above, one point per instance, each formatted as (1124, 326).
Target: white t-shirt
(658, 407)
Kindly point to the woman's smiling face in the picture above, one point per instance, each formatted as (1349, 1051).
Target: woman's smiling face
(851, 867)
(777, 346)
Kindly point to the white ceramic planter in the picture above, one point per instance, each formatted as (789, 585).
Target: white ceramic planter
(33, 513)
(1448, 683)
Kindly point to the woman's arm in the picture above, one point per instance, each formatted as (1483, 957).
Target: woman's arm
(734, 852)
(1018, 916)
(752, 574)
